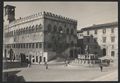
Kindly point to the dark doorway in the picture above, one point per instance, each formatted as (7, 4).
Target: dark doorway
(23, 58)
(5, 53)
(71, 53)
(44, 59)
(104, 52)
(75, 53)
(36, 58)
(40, 59)
(33, 60)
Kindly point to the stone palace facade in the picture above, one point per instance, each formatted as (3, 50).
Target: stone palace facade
(39, 37)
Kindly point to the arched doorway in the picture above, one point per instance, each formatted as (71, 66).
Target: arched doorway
(23, 57)
(75, 53)
(104, 51)
(40, 59)
(44, 59)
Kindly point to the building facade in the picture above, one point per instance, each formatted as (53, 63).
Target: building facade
(39, 37)
(101, 39)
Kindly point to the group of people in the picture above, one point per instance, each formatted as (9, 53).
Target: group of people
(29, 63)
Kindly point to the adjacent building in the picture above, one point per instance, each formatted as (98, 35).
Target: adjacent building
(100, 40)
(39, 37)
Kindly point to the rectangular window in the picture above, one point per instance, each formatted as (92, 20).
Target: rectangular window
(95, 31)
(104, 31)
(87, 32)
(104, 39)
(33, 45)
(13, 45)
(112, 39)
(29, 45)
(18, 45)
(112, 30)
(95, 53)
(95, 47)
(40, 45)
(112, 46)
(112, 53)
(21, 45)
(36, 45)
(24, 45)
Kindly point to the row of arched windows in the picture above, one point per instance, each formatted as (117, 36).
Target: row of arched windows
(59, 29)
(26, 30)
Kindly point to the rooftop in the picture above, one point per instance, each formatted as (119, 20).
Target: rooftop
(99, 26)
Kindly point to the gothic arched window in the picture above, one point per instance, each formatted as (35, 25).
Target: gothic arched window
(29, 29)
(54, 29)
(16, 32)
(72, 31)
(67, 31)
(32, 29)
(24, 31)
(60, 30)
(36, 28)
(39, 27)
(49, 27)
(19, 32)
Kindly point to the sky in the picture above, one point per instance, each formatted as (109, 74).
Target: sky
(86, 13)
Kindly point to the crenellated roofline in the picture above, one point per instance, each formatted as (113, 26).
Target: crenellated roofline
(41, 15)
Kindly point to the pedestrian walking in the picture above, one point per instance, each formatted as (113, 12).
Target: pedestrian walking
(13, 57)
(46, 65)
(66, 63)
(29, 63)
(101, 68)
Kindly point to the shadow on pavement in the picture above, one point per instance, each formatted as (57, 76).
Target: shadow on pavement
(12, 77)
(8, 65)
